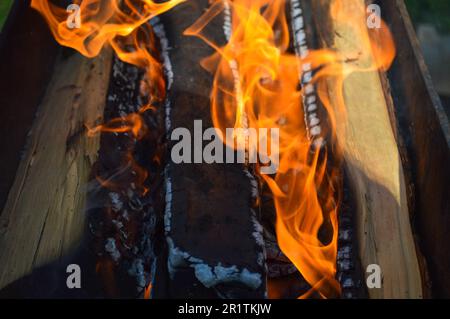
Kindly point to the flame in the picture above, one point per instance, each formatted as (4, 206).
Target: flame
(256, 85)
(132, 123)
(123, 25)
(102, 21)
(148, 291)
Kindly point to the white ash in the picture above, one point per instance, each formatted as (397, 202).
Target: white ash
(227, 26)
(345, 235)
(160, 32)
(125, 215)
(168, 109)
(258, 231)
(345, 265)
(312, 121)
(346, 249)
(111, 248)
(117, 204)
(345, 253)
(176, 258)
(137, 271)
(253, 184)
(348, 283)
(168, 200)
(280, 270)
(349, 280)
(117, 71)
(208, 275)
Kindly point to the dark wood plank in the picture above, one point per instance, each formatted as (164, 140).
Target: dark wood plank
(210, 216)
(27, 54)
(426, 131)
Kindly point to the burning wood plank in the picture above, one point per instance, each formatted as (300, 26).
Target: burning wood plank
(214, 239)
(305, 42)
(372, 157)
(44, 216)
(214, 244)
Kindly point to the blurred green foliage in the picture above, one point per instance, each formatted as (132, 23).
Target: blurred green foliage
(5, 5)
(436, 12)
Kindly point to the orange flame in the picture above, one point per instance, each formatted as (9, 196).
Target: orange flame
(148, 291)
(123, 26)
(102, 21)
(256, 85)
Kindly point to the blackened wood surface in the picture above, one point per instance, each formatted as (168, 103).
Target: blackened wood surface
(211, 203)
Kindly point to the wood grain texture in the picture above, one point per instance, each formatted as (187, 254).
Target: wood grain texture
(374, 167)
(44, 216)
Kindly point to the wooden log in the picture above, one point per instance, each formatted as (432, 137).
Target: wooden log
(373, 163)
(211, 227)
(44, 216)
(424, 121)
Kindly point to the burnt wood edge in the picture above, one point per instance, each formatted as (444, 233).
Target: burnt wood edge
(322, 24)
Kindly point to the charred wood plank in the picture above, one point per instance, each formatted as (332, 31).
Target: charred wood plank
(215, 245)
